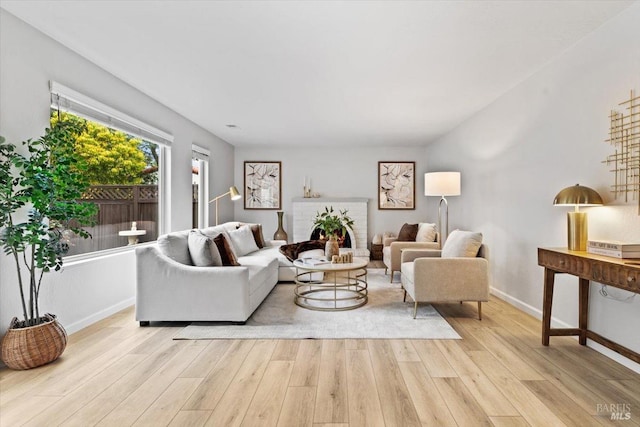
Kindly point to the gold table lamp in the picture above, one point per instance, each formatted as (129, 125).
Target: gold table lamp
(577, 196)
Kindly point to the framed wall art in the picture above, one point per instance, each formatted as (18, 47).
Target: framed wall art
(396, 185)
(262, 185)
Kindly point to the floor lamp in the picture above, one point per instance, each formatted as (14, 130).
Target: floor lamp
(233, 193)
(442, 184)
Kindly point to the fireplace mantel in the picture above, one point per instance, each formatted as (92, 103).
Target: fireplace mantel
(330, 200)
(305, 210)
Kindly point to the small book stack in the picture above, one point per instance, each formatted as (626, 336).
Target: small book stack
(614, 249)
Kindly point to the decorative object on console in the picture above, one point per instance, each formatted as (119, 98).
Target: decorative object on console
(614, 248)
(624, 135)
(280, 234)
(262, 185)
(442, 184)
(577, 196)
(233, 193)
(396, 185)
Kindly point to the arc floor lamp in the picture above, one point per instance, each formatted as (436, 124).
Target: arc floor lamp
(442, 184)
(233, 193)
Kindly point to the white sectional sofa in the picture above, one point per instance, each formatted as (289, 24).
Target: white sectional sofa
(170, 288)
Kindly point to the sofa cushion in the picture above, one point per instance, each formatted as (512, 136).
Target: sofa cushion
(176, 246)
(462, 244)
(243, 241)
(256, 229)
(426, 232)
(408, 233)
(203, 250)
(226, 253)
(261, 266)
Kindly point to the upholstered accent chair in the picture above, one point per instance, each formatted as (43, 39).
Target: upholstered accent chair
(428, 277)
(425, 238)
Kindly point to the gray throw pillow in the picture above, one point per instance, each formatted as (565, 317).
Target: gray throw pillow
(242, 240)
(203, 250)
(462, 244)
(175, 246)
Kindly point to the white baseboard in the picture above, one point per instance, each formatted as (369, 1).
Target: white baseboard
(555, 323)
(102, 314)
(529, 309)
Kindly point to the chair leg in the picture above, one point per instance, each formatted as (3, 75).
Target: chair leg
(391, 277)
(405, 296)
(415, 309)
(479, 310)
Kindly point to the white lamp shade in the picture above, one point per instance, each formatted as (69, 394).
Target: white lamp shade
(442, 184)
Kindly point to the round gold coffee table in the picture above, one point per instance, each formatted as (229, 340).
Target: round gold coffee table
(343, 286)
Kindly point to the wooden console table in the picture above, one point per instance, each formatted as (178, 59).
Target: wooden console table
(622, 274)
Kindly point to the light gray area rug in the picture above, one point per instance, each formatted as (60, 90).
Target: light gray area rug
(384, 316)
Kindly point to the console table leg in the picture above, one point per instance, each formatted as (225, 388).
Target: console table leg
(549, 277)
(583, 309)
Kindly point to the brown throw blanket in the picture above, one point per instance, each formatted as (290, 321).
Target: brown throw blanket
(294, 249)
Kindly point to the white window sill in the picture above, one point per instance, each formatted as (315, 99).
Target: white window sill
(73, 260)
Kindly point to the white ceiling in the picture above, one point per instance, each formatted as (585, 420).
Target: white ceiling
(320, 73)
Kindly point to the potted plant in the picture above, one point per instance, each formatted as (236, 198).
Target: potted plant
(334, 226)
(39, 211)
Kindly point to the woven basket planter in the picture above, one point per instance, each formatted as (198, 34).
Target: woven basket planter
(26, 348)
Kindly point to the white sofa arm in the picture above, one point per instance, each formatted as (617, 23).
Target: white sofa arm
(167, 289)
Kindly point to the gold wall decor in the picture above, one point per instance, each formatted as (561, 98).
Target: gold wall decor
(624, 136)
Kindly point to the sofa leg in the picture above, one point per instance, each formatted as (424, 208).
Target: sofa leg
(415, 309)
(144, 323)
(405, 296)
(479, 310)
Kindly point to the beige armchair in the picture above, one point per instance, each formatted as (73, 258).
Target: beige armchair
(427, 277)
(392, 250)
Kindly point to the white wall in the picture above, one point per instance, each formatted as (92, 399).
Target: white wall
(87, 291)
(334, 172)
(546, 134)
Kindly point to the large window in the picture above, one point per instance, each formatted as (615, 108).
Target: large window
(200, 186)
(125, 167)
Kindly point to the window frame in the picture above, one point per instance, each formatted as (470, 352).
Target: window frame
(71, 101)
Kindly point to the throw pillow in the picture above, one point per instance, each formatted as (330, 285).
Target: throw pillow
(203, 250)
(408, 233)
(426, 232)
(462, 244)
(256, 229)
(226, 253)
(243, 241)
(175, 246)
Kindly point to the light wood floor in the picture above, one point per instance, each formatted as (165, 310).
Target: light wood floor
(115, 373)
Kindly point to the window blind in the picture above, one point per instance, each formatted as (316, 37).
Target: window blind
(66, 99)
(199, 153)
